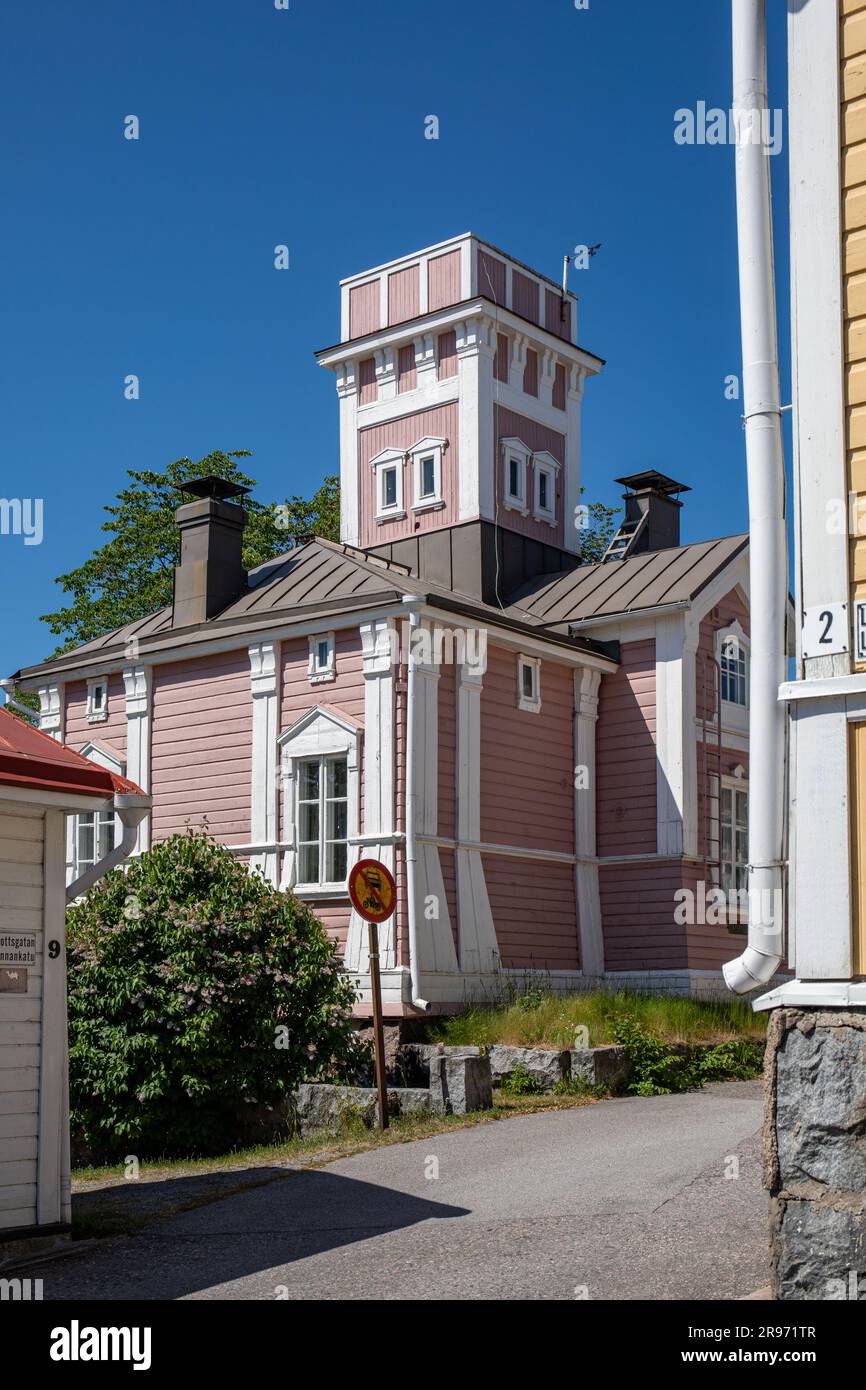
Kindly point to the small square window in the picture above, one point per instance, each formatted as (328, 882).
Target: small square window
(97, 700)
(529, 684)
(322, 665)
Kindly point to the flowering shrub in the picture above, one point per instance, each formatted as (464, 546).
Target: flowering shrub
(195, 989)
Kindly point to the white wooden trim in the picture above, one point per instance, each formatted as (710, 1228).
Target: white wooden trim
(676, 754)
(477, 943)
(265, 692)
(319, 732)
(138, 687)
(52, 708)
(51, 1179)
(814, 144)
(350, 476)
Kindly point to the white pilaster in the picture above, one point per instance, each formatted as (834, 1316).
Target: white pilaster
(434, 933)
(378, 642)
(676, 747)
(575, 381)
(138, 684)
(546, 377)
(586, 684)
(517, 361)
(479, 950)
(265, 689)
(350, 480)
(476, 347)
(425, 362)
(386, 373)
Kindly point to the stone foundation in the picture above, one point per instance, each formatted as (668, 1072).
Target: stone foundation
(815, 1153)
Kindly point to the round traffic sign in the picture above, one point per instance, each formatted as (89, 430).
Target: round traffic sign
(372, 890)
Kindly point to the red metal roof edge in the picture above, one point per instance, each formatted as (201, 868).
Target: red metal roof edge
(51, 766)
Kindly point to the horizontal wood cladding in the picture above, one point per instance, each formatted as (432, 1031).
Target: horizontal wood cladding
(535, 912)
(626, 754)
(447, 751)
(202, 746)
(527, 760)
(637, 908)
(111, 731)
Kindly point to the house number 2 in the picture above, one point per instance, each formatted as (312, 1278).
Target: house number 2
(825, 630)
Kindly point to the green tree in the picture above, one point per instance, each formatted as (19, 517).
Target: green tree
(131, 575)
(198, 993)
(596, 536)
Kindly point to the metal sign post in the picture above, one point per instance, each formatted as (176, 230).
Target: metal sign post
(374, 897)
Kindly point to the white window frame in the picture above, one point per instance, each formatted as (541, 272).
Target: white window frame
(317, 673)
(734, 716)
(75, 866)
(389, 458)
(530, 703)
(737, 786)
(544, 464)
(427, 448)
(514, 450)
(97, 700)
(320, 733)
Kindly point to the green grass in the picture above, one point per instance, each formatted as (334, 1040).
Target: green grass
(538, 1019)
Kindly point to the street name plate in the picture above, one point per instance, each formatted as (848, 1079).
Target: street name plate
(17, 948)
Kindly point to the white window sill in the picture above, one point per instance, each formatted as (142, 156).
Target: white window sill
(513, 504)
(382, 517)
(98, 718)
(547, 517)
(322, 677)
(430, 504)
(530, 706)
(320, 890)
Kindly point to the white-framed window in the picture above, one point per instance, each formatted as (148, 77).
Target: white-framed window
(529, 684)
(97, 700)
(388, 470)
(426, 458)
(323, 820)
(320, 756)
(322, 664)
(734, 836)
(732, 654)
(515, 463)
(544, 469)
(95, 837)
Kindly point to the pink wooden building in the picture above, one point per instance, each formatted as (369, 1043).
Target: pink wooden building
(547, 753)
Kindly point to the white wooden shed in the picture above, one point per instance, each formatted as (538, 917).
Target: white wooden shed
(41, 782)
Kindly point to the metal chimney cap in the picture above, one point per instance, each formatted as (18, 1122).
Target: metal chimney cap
(652, 481)
(218, 488)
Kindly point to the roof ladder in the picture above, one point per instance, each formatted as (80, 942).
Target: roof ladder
(623, 542)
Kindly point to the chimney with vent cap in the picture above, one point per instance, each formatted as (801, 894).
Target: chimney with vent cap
(652, 496)
(210, 575)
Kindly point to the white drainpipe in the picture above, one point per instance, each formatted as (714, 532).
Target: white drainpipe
(411, 842)
(766, 478)
(131, 811)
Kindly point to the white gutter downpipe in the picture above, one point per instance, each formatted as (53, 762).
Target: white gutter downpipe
(411, 841)
(131, 811)
(766, 477)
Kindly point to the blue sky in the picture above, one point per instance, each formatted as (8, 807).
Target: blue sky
(306, 127)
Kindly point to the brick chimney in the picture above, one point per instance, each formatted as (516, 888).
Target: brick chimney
(652, 510)
(211, 573)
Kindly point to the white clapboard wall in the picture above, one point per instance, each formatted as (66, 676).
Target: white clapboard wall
(22, 853)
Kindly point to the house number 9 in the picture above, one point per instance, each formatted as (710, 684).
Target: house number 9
(53, 949)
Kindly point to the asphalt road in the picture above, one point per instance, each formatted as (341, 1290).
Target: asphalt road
(628, 1199)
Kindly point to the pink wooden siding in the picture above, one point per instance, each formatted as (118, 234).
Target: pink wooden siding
(527, 760)
(530, 373)
(557, 315)
(534, 911)
(447, 344)
(626, 754)
(637, 908)
(406, 374)
(403, 294)
(111, 733)
(509, 425)
(364, 309)
(443, 280)
(491, 278)
(447, 750)
(500, 361)
(441, 423)
(202, 746)
(368, 391)
(345, 694)
(728, 610)
(524, 296)
(559, 396)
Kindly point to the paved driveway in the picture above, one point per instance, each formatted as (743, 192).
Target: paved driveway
(628, 1199)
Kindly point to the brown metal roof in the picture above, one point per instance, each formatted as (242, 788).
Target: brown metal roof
(323, 579)
(657, 578)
